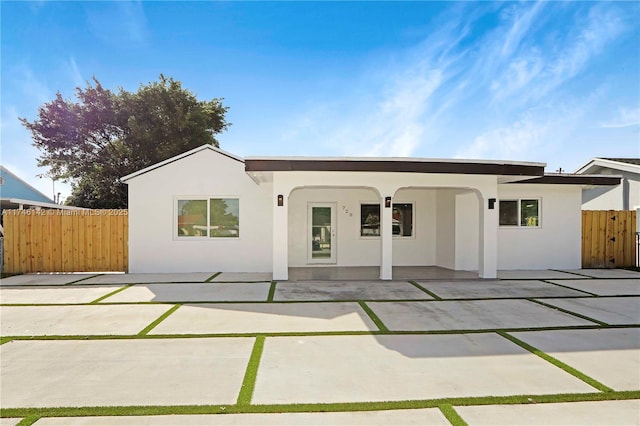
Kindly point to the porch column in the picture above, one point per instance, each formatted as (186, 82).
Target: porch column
(386, 237)
(280, 233)
(488, 250)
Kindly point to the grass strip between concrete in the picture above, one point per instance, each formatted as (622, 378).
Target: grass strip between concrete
(249, 381)
(570, 288)
(28, 421)
(304, 333)
(572, 273)
(452, 415)
(150, 410)
(567, 368)
(4, 340)
(376, 320)
(272, 291)
(99, 299)
(82, 279)
(212, 277)
(429, 292)
(161, 318)
(566, 311)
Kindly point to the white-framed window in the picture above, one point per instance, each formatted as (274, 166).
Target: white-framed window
(211, 217)
(402, 222)
(520, 212)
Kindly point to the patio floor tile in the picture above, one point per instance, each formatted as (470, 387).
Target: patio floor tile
(194, 277)
(611, 310)
(607, 273)
(265, 318)
(43, 279)
(470, 315)
(610, 356)
(604, 287)
(77, 320)
(243, 277)
(609, 413)
(498, 289)
(347, 290)
(192, 292)
(122, 372)
(327, 369)
(36, 295)
(543, 274)
(430, 416)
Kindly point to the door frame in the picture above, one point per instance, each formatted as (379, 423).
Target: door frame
(332, 259)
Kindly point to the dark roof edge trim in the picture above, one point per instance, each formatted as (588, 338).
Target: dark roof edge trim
(393, 166)
(574, 180)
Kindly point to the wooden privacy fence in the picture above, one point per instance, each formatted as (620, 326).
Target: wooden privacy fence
(608, 238)
(65, 240)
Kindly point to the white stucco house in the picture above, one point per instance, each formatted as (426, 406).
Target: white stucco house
(625, 196)
(209, 210)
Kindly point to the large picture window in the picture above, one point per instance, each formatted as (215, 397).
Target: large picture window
(213, 217)
(520, 213)
(402, 222)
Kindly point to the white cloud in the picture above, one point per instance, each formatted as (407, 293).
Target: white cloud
(502, 88)
(119, 23)
(74, 72)
(513, 142)
(33, 89)
(521, 20)
(626, 117)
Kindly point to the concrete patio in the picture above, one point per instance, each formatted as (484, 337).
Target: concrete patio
(344, 341)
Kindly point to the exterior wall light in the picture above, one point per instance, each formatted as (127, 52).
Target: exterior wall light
(280, 200)
(387, 202)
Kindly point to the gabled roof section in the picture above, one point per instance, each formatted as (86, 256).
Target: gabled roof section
(180, 157)
(14, 186)
(631, 165)
(407, 165)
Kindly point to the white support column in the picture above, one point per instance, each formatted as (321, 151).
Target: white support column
(280, 234)
(488, 247)
(386, 238)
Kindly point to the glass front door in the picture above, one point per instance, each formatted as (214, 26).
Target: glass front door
(322, 233)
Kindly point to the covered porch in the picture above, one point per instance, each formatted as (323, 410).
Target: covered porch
(346, 185)
(368, 273)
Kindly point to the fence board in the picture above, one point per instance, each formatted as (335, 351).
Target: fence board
(65, 241)
(608, 238)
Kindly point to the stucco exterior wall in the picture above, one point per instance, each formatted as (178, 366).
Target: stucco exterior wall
(446, 228)
(352, 249)
(467, 231)
(557, 242)
(153, 245)
(419, 249)
(625, 196)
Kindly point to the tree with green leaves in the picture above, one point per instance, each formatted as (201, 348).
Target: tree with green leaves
(103, 135)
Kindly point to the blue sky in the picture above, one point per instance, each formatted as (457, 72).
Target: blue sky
(556, 82)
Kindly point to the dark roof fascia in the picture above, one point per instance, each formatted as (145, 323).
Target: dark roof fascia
(257, 165)
(574, 180)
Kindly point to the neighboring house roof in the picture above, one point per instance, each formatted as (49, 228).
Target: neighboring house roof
(17, 203)
(635, 161)
(179, 157)
(631, 165)
(15, 187)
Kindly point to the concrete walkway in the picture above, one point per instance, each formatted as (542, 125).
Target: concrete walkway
(209, 340)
